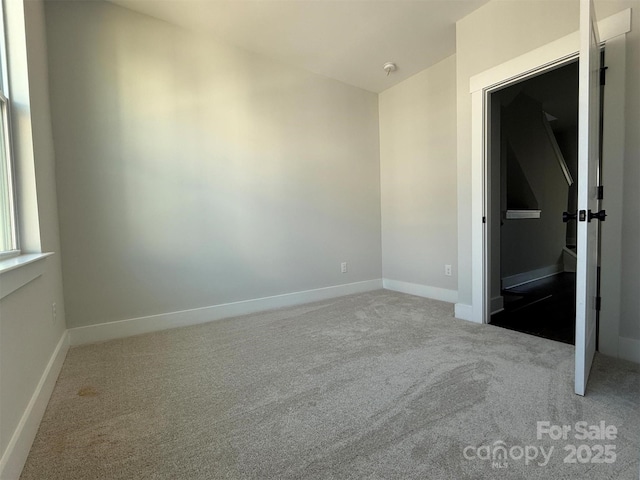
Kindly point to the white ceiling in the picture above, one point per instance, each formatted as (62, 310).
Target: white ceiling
(348, 40)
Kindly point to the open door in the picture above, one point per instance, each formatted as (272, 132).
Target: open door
(588, 178)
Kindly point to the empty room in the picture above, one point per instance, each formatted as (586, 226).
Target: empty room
(317, 239)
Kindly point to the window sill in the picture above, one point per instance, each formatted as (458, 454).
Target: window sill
(16, 272)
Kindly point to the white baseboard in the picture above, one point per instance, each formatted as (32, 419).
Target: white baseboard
(463, 311)
(153, 323)
(497, 304)
(531, 276)
(435, 293)
(629, 349)
(15, 455)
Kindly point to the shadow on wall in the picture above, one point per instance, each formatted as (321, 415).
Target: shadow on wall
(537, 183)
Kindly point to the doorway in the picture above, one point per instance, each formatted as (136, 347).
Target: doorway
(533, 164)
(546, 58)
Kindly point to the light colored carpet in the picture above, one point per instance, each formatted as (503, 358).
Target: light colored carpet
(379, 385)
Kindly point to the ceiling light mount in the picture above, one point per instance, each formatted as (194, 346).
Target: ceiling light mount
(389, 67)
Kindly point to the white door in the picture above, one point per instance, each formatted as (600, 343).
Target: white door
(588, 152)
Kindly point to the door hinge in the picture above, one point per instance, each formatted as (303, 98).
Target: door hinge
(600, 192)
(603, 75)
(598, 303)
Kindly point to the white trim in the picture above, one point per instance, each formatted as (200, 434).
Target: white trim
(479, 271)
(153, 323)
(614, 25)
(522, 214)
(435, 293)
(16, 272)
(549, 56)
(526, 65)
(556, 149)
(463, 312)
(531, 276)
(497, 304)
(15, 455)
(629, 349)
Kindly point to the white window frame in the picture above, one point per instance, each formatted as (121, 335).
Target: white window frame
(9, 226)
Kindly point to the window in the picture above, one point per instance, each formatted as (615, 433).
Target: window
(8, 230)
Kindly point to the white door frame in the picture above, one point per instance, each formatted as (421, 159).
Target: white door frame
(542, 59)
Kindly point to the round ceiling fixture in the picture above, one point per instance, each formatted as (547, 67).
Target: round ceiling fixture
(389, 67)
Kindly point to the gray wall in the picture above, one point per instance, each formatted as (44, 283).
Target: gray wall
(418, 176)
(106, 57)
(193, 174)
(28, 333)
(502, 30)
(630, 306)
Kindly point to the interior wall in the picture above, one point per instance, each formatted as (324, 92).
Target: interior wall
(630, 300)
(194, 174)
(29, 334)
(569, 148)
(502, 30)
(531, 244)
(496, 175)
(418, 175)
(491, 35)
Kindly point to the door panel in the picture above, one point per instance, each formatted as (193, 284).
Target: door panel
(588, 160)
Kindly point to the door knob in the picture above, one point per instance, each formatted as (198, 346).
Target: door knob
(566, 216)
(598, 216)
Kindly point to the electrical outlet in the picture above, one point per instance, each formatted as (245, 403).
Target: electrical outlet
(343, 267)
(447, 270)
(54, 313)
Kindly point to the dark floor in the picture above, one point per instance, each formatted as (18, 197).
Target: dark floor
(544, 308)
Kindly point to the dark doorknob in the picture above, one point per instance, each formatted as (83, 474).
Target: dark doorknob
(598, 216)
(566, 216)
